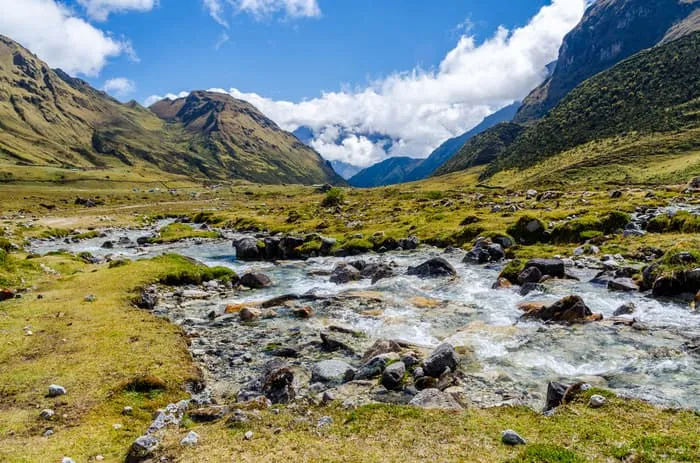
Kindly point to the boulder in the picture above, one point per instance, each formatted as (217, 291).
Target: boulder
(625, 309)
(248, 314)
(433, 268)
(435, 399)
(443, 357)
(278, 384)
(6, 294)
(144, 447)
(570, 309)
(408, 244)
(288, 247)
(392, 378)
(510, 437)
(147, 299)
(530, 275)
(552, 267)
(247, 249)
(332, 372)
(555, 395)
(623, 284)
(55, 390)
(376, 365)
(345, 273)
(376, 272)
(255, 280)
(381, 346)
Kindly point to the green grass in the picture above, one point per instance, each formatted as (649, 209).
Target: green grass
(180, 231)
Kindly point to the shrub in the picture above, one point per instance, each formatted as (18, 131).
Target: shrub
(334, 197)
(528, 230)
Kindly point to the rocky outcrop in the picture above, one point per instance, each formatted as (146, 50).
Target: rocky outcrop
(433, 268)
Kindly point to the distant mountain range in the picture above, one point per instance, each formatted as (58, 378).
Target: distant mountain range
(345, 169)
(403, 169)
(48, 118)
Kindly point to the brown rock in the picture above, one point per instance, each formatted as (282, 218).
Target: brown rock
(248, 314)
(570, 309)
(303, 312)
(502, 283)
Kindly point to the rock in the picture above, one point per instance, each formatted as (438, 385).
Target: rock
(381, 346)
(510, 437)
(504, 241)
(90, 298)
(597, 401)
(376, 272)
(47, 414)
(324, 421)
(444, 356)
(570, 309)
(552, 267)
(502, 283)
(392, 378)
(248, 435)
(248, 314)
(616, 194)
(55, 390)
(190, 440)
(256, 280)
(6, 295)
(376, 365)
(67, 460)
(433, 268)
(303, 312)
(344, 273)
(625, 309)
(409, 244)
(108, 245)
(247, 249)
(144, 447)
(208, 414)
(478, 255)
(527, 288)
(555, 395)
(530, 275)
(435, 399)
(147, 299)
(693, 185)
(331, 345)
(127, 411)
(278, 384)
(623, 284)
(332, 372)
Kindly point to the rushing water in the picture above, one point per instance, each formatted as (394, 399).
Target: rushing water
(647, 363)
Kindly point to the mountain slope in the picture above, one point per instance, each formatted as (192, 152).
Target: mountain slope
(610, 31)
(48, 118)
(345, 169)
(655, 92)
(387, 172)
(483, 148)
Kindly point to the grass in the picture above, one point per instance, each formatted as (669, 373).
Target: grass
(180, 231)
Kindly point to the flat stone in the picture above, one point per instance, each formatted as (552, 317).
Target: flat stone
(435, 399)
(510, 437)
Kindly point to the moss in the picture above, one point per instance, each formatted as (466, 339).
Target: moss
(5, 245)
(681, 222)
(145, 383)
(547, 453)
(207, 217)
(187, 272)
(334, 197)
(180, 231)
(55, 233)
(313, 246)
(354, 246)
(511, 271)
(87, 235)
(119, 263)
(589, 226)
(527, 230)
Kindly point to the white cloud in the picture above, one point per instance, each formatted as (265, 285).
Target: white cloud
(119, 87)
(419, 109)
(101, 9)
(57, 36)
(223, 38)
(170, 96)
(263, 8)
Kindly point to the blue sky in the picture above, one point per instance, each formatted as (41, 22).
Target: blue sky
(416, 71)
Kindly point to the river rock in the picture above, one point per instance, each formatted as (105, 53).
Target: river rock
(570, 309)
(625, 309)
(392, 378)
(623, 284)
(552, 267)
(555, 395)
(443, 357)
(433, 268)
(530, 275)
(332, 372)
(147, 299)
(256, 280)
(435, 399)
(144, 447)
(247, 249)
(345, 273)
(478, 255)
(303, 312)
(376, 365)
(408, 244)
(278, 385)
(376, 272)
(381, 346)
(248, 314)
(510, 437)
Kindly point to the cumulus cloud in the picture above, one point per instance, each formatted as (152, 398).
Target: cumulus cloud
(57, 36)
(101, 9)
(263, 8)
(168, 96)
(119, 87)
(419, 109)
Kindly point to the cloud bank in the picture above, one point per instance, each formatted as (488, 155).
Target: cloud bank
(101, 9)
(120, 87)
(59, 37)
(419, 109)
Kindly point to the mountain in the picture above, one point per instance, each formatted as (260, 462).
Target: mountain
(387, 172)
(653, 96)
(610, 31)
(48, 118)
(483, 148)
(447, 150)
(344, 169)
(410, 171)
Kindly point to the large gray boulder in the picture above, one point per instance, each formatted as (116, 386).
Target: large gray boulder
(442, 358)
(332, 372)
(433, 268)
(552, 267)
(392, 378)
(345, 273)
(247, 249)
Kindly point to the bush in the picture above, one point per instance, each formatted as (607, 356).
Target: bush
(334, 197)
(528, 230)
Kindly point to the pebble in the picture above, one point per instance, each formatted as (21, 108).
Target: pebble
(47, 414)
(191, 439)
(55, 390)
(48, 433)
(510, 437)
(248, 435)
(597, 401)
(127, 411)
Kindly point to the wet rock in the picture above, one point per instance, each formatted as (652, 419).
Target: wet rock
(392, 378)
(530, 275)
(147, 299)
(570, 309)
(433, 268)
(623, 284)
(435, 399)
(443, 357)
(329, 344)
(247, 249)
(478, 255)
(625, 309)
(144, 447)
(303, 312)
(55, 390)
(376, 365)
(555, 395)
(510, 437)
(552, 267)
(248, 314)
(381, 346)
(502, 283)
(528, 288)
(332, 372)
(190, 440)
(255, 280)
(208, 414)
(597, 401)
(344, 273)
(409, 244)
(504, 241)
(376, 272)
